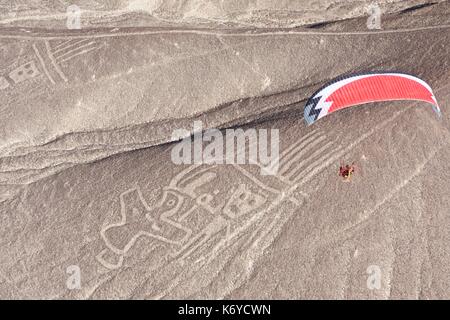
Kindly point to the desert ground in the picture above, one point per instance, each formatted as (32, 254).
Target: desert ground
(92, 205)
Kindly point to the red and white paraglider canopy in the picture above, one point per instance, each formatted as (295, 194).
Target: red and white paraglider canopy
(363, 88)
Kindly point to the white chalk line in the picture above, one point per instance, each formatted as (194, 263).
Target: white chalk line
(305, 147)
(79, 53)
(43, 64)
(70, 45)
(53, 61)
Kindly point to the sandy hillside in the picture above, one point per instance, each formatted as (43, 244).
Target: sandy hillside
(87, 180)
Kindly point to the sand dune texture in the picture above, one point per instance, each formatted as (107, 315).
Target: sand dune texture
(87, 180)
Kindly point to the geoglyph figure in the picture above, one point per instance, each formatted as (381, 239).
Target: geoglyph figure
(194, 211)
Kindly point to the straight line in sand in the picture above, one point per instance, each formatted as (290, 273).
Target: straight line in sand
(43, 64)
(215, 32)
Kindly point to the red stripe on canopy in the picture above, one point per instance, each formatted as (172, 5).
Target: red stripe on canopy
(378, 88)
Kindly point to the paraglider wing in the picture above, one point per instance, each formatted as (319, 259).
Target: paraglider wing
(358, 89)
